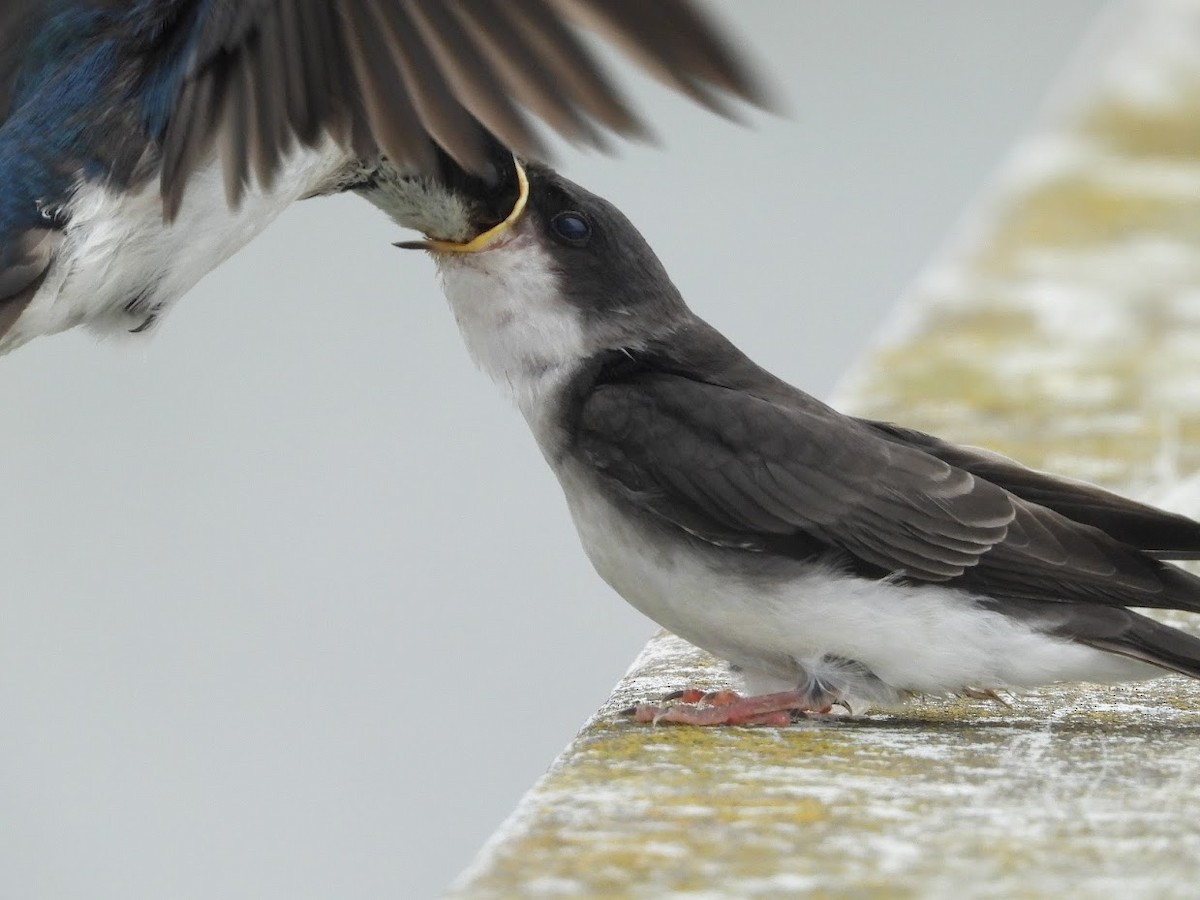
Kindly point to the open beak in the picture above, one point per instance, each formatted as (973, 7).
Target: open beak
(485, 239)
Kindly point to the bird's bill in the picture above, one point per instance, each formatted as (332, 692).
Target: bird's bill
(484, 239)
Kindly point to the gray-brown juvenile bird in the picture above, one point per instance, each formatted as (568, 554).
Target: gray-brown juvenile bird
(832, 559)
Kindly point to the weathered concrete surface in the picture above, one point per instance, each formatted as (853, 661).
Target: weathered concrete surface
(1071, 793)
(1062, 328)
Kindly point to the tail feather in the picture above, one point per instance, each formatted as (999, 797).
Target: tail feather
(1153, 642)
(1113, 629)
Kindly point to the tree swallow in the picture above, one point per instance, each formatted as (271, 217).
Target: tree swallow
(142, 142)
(833, 560)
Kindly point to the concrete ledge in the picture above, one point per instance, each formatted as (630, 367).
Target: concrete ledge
(1062, 327)
(1068, 793)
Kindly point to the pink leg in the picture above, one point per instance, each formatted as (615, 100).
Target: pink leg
(726, 708)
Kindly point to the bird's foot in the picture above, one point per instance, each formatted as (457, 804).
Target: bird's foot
(989, 694)
(695, 707)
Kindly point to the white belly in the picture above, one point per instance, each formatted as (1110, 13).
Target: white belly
(918, 639)
(117, 248)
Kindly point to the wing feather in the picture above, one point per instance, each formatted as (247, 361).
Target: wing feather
(468, 75)
(524, 73)
(1165, 534)
(391, 116)
(759, 468)
(441, 114)
(398, 76)
(741, 470)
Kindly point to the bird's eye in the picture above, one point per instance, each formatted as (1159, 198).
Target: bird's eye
(571, 228)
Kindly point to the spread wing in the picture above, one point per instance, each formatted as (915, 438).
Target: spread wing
(738, 470)
(401, 76)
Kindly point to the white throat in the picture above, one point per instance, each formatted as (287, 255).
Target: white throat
(512, 316)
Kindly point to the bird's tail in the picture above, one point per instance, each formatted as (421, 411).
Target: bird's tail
(1113, 629)
(1153, 642)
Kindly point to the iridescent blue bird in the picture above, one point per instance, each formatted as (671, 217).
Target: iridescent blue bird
(142, 142)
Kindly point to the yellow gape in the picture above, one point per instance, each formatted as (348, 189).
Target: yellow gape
(486, 238)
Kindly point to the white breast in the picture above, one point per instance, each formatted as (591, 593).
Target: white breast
(914, 638)
(516, 326)
(117, 246)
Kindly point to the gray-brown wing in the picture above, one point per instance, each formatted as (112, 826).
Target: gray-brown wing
(1164, 534)
(738, 470)
(401, 76)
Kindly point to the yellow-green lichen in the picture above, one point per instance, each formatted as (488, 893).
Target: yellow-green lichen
(1159, 130)
(1079, 211)
(997, 376)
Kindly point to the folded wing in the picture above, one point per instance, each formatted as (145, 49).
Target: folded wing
(738, 470)
(1163, 534)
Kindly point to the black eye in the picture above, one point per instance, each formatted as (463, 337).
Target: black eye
(571, 228)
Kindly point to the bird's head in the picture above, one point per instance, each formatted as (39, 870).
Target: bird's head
(543, 249)
(558, 280)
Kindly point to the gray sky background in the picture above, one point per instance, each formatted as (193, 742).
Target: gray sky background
(292, 607)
